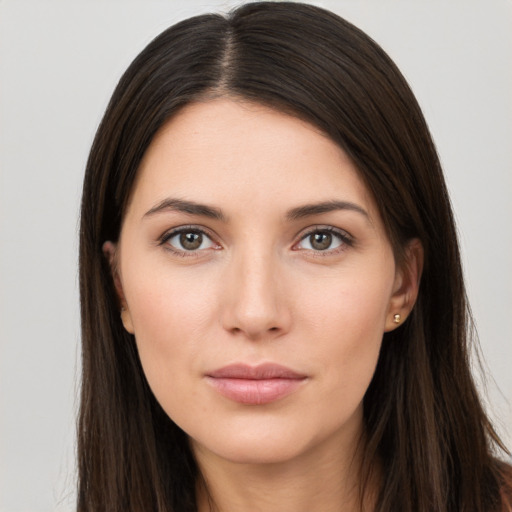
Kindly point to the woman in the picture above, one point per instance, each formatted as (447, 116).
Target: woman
(273, 308)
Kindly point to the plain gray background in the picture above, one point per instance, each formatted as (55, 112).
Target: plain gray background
(59, 62)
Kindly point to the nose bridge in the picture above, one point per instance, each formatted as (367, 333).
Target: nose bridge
(256, 306)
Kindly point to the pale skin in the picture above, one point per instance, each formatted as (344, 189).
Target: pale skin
(280, 257)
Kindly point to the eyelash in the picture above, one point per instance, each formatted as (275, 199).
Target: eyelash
(345, 238)
(164, 239)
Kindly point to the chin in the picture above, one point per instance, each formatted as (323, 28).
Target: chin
(253, 451)
(267, 441)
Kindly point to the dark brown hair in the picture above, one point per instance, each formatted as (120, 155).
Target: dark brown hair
(424, 422)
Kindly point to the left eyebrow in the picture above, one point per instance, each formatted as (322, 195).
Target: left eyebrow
(324, 207)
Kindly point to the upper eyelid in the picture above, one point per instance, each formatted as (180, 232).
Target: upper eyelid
(183, 229)
(323, 227)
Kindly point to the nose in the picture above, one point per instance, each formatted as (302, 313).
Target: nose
(255, 302)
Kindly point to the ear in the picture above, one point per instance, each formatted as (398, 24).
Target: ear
(110, 252)
(406, 285)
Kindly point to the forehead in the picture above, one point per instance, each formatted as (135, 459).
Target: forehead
(241, 154)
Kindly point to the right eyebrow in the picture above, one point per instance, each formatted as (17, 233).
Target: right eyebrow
(190, 207)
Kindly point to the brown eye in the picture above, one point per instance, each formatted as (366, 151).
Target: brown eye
(188, 240)
(324, 240)
(191, 241)
(320, 241)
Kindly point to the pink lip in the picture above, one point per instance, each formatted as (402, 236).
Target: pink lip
(255, 385)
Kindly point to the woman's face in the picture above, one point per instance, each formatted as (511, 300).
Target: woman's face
(258, 281)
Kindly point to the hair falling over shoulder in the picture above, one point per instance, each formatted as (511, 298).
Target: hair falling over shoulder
(425, 423)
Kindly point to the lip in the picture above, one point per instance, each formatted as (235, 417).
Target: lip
(255, 385)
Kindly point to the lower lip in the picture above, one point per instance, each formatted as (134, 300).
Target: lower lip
(255, 391)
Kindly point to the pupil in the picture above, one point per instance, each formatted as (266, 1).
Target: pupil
(191, 241)
(321, 241)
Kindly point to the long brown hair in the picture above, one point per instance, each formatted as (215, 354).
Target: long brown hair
(424, 422)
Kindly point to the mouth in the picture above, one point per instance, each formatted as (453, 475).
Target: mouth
(255, 385)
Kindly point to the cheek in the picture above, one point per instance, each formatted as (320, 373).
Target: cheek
(353, 303)
(171, 316)
(345, 324)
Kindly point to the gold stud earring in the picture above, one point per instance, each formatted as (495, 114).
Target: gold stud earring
(397, 318)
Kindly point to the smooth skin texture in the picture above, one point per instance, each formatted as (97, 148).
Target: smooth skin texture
(256, 275)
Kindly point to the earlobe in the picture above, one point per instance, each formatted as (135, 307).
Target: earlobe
(406, 286)
(126, 318)
(110, 252)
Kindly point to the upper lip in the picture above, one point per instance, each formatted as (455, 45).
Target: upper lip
(259, 372)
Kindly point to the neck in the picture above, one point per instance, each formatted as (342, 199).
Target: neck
(313, 482)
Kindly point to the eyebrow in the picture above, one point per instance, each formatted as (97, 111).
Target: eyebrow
(324, 207)
(212, 212)
(190, 207)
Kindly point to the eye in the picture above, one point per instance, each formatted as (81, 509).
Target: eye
(188, 240)
(324, 239)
